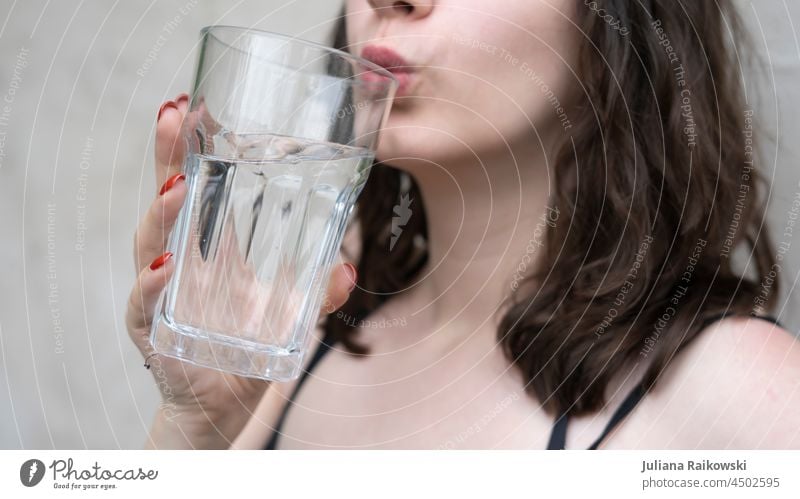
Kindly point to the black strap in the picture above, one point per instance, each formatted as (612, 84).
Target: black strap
(324, 347)
(623, 410)
(558, 436)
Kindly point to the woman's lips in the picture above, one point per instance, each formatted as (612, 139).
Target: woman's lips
(391, 61)
(384, 56)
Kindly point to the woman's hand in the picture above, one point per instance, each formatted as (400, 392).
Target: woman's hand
(203, 408)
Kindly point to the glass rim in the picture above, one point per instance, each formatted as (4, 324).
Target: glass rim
(377, 68)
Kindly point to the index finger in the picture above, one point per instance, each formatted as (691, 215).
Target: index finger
(170, 147)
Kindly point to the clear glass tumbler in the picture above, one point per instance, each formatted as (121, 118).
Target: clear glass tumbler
(280, 137)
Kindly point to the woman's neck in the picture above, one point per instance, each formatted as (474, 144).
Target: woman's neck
(486, 224)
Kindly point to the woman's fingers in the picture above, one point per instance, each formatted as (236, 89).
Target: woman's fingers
(170, 146)
(142, 302)
(151, 236)
(343, 281)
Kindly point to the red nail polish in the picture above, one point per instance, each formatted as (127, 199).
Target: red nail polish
(182, 98)
(350, 269)
(160, 261)
(164, 106)
(170, 183)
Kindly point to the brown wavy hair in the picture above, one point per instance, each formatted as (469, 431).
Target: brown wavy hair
(655, 187)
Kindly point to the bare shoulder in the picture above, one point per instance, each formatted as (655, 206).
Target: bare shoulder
(736, 386)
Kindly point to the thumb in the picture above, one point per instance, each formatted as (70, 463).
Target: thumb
(342, 282)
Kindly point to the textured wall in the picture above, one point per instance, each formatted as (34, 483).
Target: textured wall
(81, 83)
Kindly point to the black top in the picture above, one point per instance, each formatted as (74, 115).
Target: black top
(558, 435)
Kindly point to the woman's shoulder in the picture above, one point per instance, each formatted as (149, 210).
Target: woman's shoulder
(737, 385)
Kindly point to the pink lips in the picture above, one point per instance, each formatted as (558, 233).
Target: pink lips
(391, 61)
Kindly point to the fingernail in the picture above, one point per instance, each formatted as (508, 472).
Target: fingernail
(350, 269)
(160, 261)
(170, 104)
(170, 183)
(182, 98)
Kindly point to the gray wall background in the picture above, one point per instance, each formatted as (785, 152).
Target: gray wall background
(76, 132)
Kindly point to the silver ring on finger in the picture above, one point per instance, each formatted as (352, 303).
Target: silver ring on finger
(147, 360)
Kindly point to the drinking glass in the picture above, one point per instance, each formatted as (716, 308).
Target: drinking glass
(280, 136)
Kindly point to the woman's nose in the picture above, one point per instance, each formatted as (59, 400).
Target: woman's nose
(413, 9)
